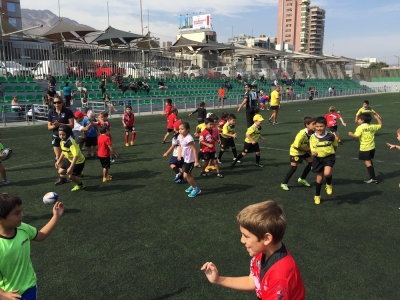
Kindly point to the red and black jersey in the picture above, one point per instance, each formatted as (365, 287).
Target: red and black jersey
(106, 123)
(209, 137)
(221, 125)
(129, 120)
(331, 119)
(278, 277)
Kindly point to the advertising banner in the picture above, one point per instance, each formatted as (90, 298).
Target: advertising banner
(195, 22)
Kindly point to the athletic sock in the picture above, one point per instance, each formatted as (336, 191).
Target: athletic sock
(258, 157)
(306, 170)
(133, 136)
(126, 139)
(371, 172)
(289, 174)
(176, 170)
(80, 184)
(220, 154)
(318, 187)
(234, 152)
(328, 180)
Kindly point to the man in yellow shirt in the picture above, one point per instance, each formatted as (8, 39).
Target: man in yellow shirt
(275, 105)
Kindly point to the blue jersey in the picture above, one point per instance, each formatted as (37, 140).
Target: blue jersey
(92, 132)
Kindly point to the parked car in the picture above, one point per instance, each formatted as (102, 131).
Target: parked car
(132, 70)
(151, 72)
(260, 72)
(16, 69)
(192, 71)
(108, 69)
(170, 72)
(225, 71)
(81, 69)
(50, 67)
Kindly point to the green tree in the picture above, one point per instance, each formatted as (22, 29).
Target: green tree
(378, 65)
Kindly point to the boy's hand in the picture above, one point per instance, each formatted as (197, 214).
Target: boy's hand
(391, 146)
(234, 136)
(58, 209)
(344, 124)
(253, 142)
(211, 272)
(69, 171)
(10, 295)
(57, 164)
(165, 154)
(196, 163)
(264, 139)
(313, 153)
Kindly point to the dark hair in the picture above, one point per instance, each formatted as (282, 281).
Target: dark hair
(128, 106)
(103, 129)
(202, 104)
(66, 84)
(231, 117)
(169, 101)
(248, 85)
(174, 110)
(366, 102)
(365, 117)
(320, 120)
(224, 115)
(308, 120)
(208, 121)
(185, 125)
(7, 203)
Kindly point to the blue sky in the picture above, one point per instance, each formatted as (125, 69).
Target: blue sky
(353, 28)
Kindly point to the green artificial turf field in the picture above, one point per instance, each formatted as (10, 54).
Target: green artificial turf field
(141, 237)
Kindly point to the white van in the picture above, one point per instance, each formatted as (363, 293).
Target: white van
(133, 70)
(50, 67)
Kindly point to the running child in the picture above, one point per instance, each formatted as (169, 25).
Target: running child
(18, 278)
(299, 151)
(187, 152)
(104, 151)
(74, 163)
(366, 109)
(201, 113)
(264, 99)
(208, 138)
(172, 118)
(331, 120)
(175, 164)
(168, 107)
(228, 137)
(365, 132)
(251, 142)
(104, 122)
(224, 119)
(392, 146)
(199, 129)
(2, 170)
(273, 272)
(128, 120)
(211, 164)
(323, 146)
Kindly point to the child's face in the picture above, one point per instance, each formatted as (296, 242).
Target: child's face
(232, 121)
(320, 128)
(62, 135)
(209, 125)
(14, 218)
(128, 111)
(183, 130)
(311, 126)
(103, 118)
(258, 123)
(365, 105)
(359, 121)
(251, 242)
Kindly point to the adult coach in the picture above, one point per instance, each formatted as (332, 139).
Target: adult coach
(59, 116)
(252, 102)
(275, 105)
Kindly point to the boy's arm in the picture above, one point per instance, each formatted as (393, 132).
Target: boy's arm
(169, 150)
(113, 150)
(343, 123)
(263, 138)
(392, 146)
(71, 167)
(353, 135)
(58, 210)
(378, 118)
(123, 122)
(58, 162)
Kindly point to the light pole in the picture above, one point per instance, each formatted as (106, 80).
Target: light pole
(398, 60)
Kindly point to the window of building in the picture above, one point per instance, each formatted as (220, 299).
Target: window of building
(10, 7)
(288, 25)
(289, 9)
(288, 35)
(287, 41)
(289, 4)
(12, 21)
(288, 30)
(288, 20)
(288, 15)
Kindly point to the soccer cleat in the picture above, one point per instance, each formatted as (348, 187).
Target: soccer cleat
(194, 192)
(284, 187)
(5, 181)
(237, 161)
(105, 179)
(219, 161)
(270, 120)
(207, 169)
(109, 176)
(204, 174)
(328, 189)
(317, 199)
(275, 123)
(220, 175)
(189, 189)
(259, 165)
(303, 182)
(61, 180)
(78, 187)
(126, 144)
(366, 181)
(112, 160)
(132, 143)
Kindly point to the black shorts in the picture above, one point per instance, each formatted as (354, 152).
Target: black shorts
(170, 130)
(90, 141)
(275, 107)
(200, 120)
(227, 143)
(55, 141)
(366, 155)
(188, 167)
(130, 129)
(249, 147)
(333, 129)
(105, 162)
(299, 158)
(319, 163)
(209, 155)
(78, 168)
(174, 161)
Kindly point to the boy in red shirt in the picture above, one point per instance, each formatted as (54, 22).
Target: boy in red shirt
(168, 107)
(208, 137)
(128, 120)
(331, 122)
(171, 119)
(273, 271)
(221, 95)
(104, 151)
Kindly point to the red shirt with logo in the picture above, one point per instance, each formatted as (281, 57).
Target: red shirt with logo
(103, 141)
(172, 118)
(331, 119)
(168, 110)
(209, 138)
(129, 120)
(104, 123)
(221, 125)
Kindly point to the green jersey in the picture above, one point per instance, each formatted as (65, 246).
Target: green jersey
(16, 270)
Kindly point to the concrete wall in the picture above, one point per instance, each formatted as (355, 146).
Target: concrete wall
(392, 85)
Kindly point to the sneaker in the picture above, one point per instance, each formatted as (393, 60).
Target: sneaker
(132, 143)
(267, 108)
(105, 179)
(328, 189)
(219, 161)
(259, 165)
(78, 187)
(238, 161)
(178, 176)
(5, 181)
(366, 181)
(109, 176)
(126, 145)
(61, 180)
(284, 187)
(189, 189)
(194, 192)
(88, 155)
(220, 175)
(112, 160)
(275, 123)
(204, 174)
(303, 182)
(317, 199)
(270, 120)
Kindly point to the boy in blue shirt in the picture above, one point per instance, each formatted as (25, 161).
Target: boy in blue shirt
(91, 136)
(18, 279)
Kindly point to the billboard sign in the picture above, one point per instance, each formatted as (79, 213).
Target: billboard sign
(195, 22)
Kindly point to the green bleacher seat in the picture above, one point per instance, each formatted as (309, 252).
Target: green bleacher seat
(37, 88)
(38, 98)
(30, 79)
(21, 98)
(21, 79)
(8, 89)
(99, 96)
(29, 98)
(3, 79)
(18, 89)
(28, 89)
(8, 98)
(12, 80)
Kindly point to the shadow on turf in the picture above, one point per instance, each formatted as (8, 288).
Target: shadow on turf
(227, 189)
(354, 198)
(29, 219)
(166, 296)
(117, 188)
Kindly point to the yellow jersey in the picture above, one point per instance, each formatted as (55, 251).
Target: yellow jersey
(367, 110)
(227, 129)
(275, 98)
(253, 131)
(201, 127)
(323, 145)
(70, 149)
(302, 140)
(366, 133)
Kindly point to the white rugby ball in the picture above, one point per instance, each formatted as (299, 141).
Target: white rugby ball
(6, 154)
(50, 198)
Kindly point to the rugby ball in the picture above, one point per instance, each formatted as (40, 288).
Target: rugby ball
(6, 154)
(50, 198)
